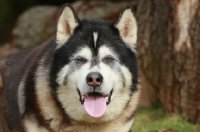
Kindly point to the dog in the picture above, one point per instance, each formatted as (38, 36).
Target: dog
(84, 79)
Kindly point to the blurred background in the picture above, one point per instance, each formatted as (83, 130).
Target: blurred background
(168, 51)
(11, 9)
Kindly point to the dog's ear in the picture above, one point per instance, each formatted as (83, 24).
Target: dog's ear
(127, 26)
(67, 22)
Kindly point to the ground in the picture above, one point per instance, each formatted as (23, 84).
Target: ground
(154, 119)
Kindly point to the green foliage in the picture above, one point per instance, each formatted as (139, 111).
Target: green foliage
(153, 119)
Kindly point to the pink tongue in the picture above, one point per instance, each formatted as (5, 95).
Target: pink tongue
(95, 105)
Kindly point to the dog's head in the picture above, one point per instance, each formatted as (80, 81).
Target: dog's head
(95, 69)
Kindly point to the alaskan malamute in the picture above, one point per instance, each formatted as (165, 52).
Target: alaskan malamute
(85, 79)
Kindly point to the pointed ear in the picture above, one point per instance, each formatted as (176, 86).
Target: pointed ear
(127, 26)
(67, 22)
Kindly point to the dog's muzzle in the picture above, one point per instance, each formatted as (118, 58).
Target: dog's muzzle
(94, 101)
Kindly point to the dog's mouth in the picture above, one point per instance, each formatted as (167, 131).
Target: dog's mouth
(95, 94)
(95, 103)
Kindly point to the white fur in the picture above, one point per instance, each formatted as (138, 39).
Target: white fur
(95, 36)
(127, 27)
(31, 125)
(21, 97)
(106, 51)
(62, 74)
(85, 52)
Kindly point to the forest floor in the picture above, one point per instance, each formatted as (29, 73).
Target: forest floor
(155, 119)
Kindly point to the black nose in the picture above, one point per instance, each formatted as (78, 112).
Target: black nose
(94, 79)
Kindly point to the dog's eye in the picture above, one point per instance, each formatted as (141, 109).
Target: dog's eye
(81, 60)
(108, 58)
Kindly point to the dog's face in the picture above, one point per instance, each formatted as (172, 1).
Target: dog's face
(95, 66)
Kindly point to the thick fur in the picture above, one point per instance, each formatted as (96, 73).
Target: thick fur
(41, 88)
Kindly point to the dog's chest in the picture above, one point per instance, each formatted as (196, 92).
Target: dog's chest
(114, 126)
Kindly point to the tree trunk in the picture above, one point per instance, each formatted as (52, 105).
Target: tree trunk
(169, 53)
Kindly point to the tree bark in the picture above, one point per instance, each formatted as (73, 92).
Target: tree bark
(169, 53)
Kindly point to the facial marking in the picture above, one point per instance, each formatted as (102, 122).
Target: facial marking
(84, 52)
(95, 36)
(106, 51)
